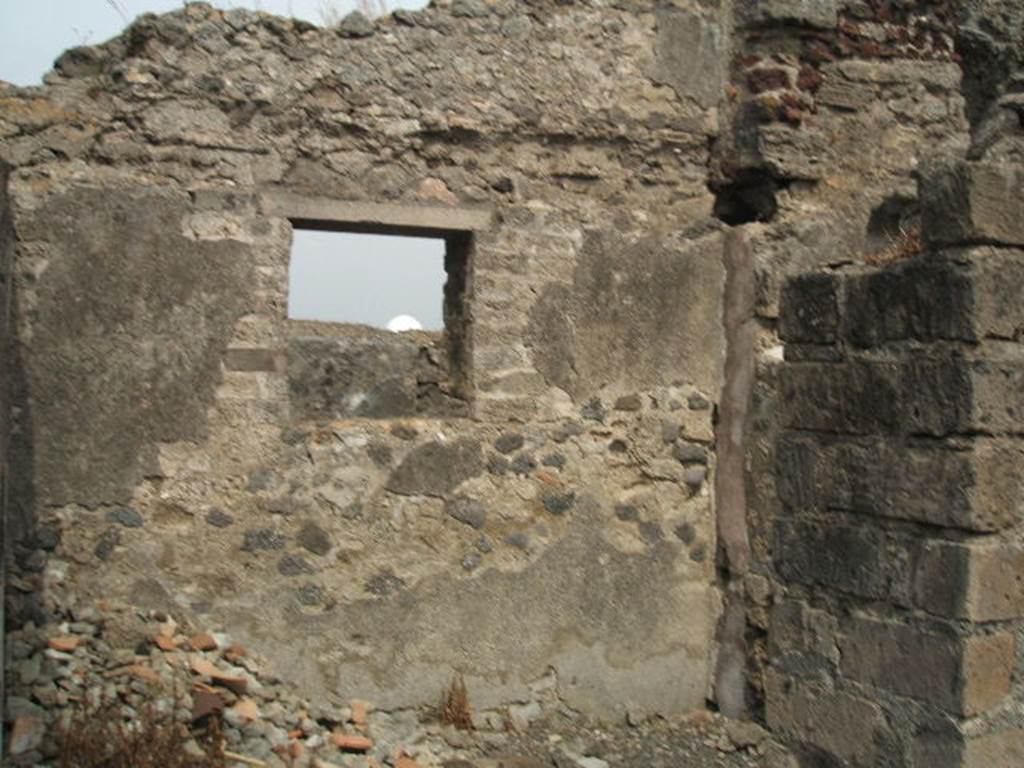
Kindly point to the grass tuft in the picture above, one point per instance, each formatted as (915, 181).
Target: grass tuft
(455, 707)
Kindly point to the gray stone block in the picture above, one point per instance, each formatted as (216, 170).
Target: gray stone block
(849, 398)
(970, 202)
(851, 559)
(969, 295)
(850, 728)
(977, 487)
(809, 309)
(974, 580)
(961, 675)
(937, 395)
(813, 13)
(802, 640)
(997, 275)
(1001, 747)
(921, 300)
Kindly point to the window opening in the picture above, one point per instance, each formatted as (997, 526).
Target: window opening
(382, 281)
(377, 326)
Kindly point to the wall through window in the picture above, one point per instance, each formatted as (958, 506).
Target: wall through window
(377, 320)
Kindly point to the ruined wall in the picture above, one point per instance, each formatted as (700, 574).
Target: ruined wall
(900, 472)
(575, 486)
(552, 536)
(830, 109)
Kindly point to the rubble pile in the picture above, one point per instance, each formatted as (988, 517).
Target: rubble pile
(115, 660)
(122, 661)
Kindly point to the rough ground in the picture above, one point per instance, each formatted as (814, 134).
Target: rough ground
(702, 741)
(130, 662)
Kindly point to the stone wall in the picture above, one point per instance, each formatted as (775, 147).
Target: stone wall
(547, 530)
(900, 473)
(830, 109)
(601, 487)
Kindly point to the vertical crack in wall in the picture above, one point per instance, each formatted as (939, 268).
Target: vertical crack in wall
(730, 477)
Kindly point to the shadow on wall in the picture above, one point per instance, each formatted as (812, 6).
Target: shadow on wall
(747, 198)
(25, 543)
(896, 216)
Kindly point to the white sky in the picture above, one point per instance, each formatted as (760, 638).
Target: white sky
(369, 279)
(341, 278)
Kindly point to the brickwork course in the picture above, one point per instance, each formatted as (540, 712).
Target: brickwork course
(726, 415)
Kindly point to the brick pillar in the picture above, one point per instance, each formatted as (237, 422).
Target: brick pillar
(901, 475)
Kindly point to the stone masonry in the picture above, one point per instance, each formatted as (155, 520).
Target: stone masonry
(529, 494)
(900, 472)
(725, 413)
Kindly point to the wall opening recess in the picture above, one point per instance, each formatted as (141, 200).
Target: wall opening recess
(377, 323)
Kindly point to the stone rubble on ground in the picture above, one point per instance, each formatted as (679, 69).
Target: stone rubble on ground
(113, 657)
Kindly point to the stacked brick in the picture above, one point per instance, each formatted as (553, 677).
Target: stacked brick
(796, 59)
(901, 475)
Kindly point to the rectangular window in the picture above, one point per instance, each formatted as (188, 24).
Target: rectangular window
(377, 321)
(382, 281)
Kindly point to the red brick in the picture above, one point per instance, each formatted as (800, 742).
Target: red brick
(202, 642)
(350, 742)
(165, 643)
(205, 703)
(65, 644)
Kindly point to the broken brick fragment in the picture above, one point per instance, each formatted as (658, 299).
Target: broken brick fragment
(234, 652)
(246, 710)
(65, 643)
(360, 712)
(205, 702)
(138, 671)
(165, 643)
(202, 642)
(350, 742)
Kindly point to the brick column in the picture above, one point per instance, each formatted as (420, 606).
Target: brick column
(901, 474)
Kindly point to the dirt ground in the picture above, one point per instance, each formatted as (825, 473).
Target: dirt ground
(701, 741)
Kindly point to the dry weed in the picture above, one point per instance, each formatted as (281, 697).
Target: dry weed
(906, 245)
(100, 738)
(455, 708)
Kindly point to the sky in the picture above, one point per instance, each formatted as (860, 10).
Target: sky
(367, 279)
(335, 277)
